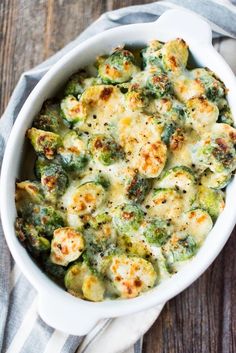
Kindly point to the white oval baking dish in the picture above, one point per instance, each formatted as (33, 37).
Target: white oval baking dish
(58, 308)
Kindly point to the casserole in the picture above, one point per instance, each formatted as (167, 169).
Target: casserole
(56, 307)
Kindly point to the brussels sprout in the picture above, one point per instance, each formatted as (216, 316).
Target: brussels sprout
(133, 245)
(211, 200)
(152, 159)
(177, 250)
(137, 97)
(73, 111)
(45, 218)
(174, 55)
(67, 245)
(198, 223)
(225, 114)
(73, 153)
(75, 84)
(128, 218)
(217, 151)
(28, 191)
(159, 84)
(180, 178)
(29, 235)
(118, 67)
(100, 219)
(151, 55)
(202, 114)
(215, 180)
(105, 149)
(130, 276)
(137, 188)
(157, 231)
(85, 198)
(166, 203)
(37, 241)
(44, 142)
(214, 88)
(54, 180)
(57, 272)
(49, 118)
(81, 282)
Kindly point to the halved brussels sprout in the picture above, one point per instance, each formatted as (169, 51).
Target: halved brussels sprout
(158, 84)
(105, 149)
(45, 218)
(166, 203)
(177, 250)
(151, 55)
(44, 142)
(73, 154)
(49, 118)
(81, 282)
(130, 276)
(85, 198)
(137, 97)
(217, 150)
(53, 179)
(214, 88)
(67, 245)
(28, 233)
(75, 84)
(118, 67)
(197, 223)
(174, 55)
(73, 111)
(151, 159)
(180, 178)
(211, 200)
(28, 191)
(128, 218)
(134, 244)
(137, 188)
(157, 231)
(215, 180)
(57, 272)
(202, 114)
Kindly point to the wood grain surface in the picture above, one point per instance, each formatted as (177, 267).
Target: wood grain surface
(203, 318)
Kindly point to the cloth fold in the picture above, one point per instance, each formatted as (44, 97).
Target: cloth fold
(21, 330)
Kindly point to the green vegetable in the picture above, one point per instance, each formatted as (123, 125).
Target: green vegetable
(118, 67)
(211, 200)
(45, 218)
(73, 111)
(159, 84)
(54, 180)
(73, 154)
(137, 188)
(74, 85)
(157, 231)
(44, 142)
(105, 149)
(49, 118)
(178, 250)
(180, 177)
(80, 282)
(128, 218)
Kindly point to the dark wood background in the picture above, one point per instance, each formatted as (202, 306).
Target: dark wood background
(203, 318)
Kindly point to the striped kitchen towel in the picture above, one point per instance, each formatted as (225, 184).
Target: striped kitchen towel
(21, 329)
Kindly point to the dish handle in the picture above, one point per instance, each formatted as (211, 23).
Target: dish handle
(185, 24)
(62, 316)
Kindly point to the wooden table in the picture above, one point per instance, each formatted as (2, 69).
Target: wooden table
(203, 318)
